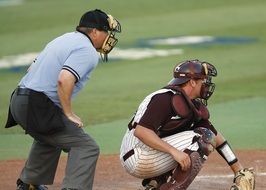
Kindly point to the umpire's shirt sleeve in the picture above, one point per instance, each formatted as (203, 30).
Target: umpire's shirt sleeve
(81, 62)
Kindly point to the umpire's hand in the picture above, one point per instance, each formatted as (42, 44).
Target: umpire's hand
(74, 118)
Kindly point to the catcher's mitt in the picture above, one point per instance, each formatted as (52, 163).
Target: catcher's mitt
(244, 180)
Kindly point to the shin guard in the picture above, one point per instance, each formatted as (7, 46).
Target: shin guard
(180, 180)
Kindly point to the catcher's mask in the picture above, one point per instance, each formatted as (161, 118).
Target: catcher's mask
(101, 21)
(195, 69)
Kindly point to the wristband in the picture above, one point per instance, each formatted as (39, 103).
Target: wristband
(227, 153)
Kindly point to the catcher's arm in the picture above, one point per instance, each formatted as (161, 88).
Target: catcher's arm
(224, 149)
(244, 178)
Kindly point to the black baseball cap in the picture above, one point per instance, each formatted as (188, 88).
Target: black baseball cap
(95, 19)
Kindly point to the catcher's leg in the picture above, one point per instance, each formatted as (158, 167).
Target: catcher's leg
(180, 180)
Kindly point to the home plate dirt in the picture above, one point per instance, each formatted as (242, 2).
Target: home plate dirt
(110, 175)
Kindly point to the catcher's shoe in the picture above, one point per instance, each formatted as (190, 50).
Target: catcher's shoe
(155, 182)
(152, 185)
(24, 186)
(69, 189)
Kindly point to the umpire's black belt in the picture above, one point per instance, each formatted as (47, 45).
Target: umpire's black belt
(128, 154)
(23, 91)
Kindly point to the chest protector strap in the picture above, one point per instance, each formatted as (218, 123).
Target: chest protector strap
(188, 112)
(184, 107)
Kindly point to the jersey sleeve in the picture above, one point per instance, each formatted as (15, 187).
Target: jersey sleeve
(158, 111)
(81, 62)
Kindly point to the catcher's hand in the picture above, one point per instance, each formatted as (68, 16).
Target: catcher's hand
(244, 180)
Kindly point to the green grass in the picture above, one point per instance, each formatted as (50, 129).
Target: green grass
(229, 118)
(29, 26)
(242, 122)
(108, 137)
(116, 88)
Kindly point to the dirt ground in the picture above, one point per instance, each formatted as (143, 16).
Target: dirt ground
(110, 175)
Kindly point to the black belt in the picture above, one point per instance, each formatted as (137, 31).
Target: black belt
(128, 154)
(23, 91)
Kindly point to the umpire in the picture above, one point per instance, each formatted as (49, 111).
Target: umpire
(41, 104)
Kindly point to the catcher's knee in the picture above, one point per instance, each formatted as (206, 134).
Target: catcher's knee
(205, 140)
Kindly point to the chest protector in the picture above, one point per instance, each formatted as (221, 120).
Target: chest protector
(188, 114)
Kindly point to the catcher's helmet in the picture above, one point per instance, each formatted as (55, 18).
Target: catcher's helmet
(192, 69)
(195, 69)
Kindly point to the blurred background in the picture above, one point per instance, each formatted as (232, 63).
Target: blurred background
(155, 36)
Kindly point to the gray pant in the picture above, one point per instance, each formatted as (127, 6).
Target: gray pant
(43, 159)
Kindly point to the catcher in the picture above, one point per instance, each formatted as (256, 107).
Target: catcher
(170, 136)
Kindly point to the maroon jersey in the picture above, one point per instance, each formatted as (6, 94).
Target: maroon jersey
(168, 113)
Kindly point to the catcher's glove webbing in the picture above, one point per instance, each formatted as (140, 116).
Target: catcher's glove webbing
(244, 180)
